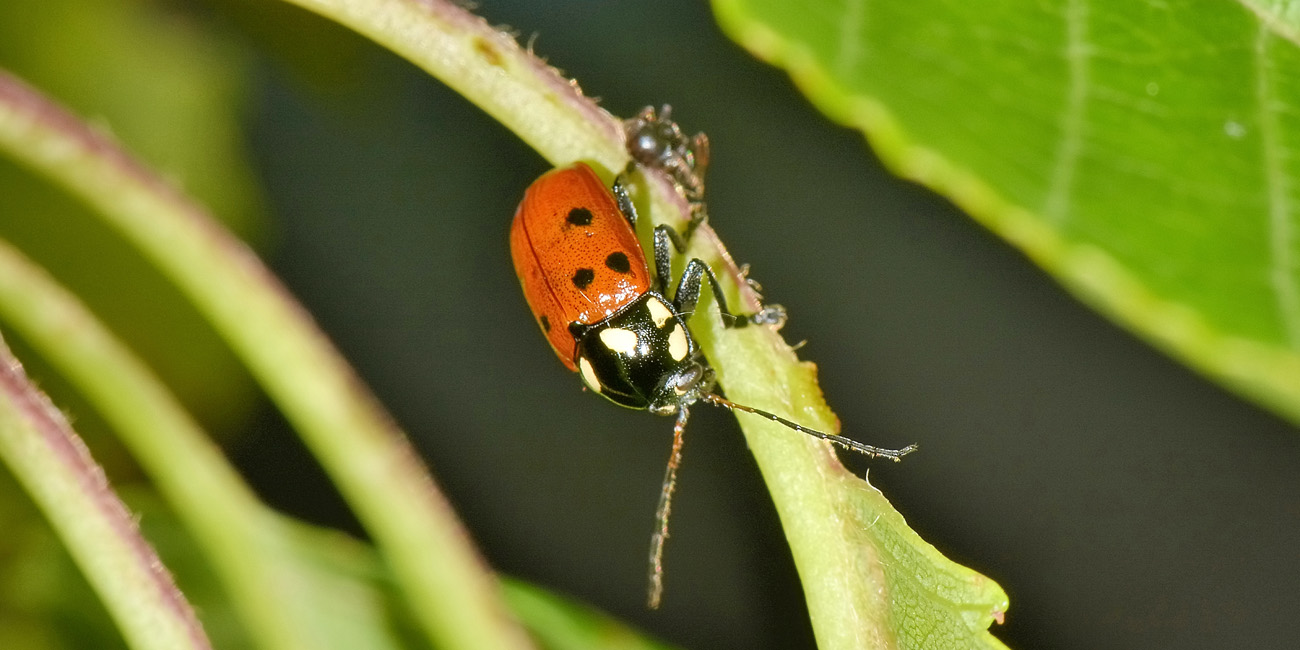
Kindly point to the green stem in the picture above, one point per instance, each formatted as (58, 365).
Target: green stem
(56, 469)
(453, 595)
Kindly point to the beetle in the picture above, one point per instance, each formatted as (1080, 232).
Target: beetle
(585, 278)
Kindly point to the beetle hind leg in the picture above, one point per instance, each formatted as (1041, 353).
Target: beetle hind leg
(687, 292)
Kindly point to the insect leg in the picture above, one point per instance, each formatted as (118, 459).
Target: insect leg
(624, 202)
(657, 541)
(687, 292)
(664, 236)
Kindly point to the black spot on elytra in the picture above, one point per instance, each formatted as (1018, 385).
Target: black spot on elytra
(546, 324)
(583, 277)
(579, 217)
(618, 262)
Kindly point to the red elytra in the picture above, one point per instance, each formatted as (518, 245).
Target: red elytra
(576, 254)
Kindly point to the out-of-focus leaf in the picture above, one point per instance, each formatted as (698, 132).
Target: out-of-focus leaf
(337, 590)
(343, 592)
(1140, 152)
(342, 566)
(558, 623)
(348, 593)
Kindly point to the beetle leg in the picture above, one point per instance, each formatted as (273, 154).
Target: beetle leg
(624, 202)
(664, 235)
(688, 293)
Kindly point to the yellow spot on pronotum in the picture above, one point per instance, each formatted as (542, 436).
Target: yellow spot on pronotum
(678, 345)
(588, 374)
(659, 312)
(619, 340)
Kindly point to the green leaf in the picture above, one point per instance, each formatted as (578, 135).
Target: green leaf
(343, 588)
(347, 592)
(1139, 152)
(331, 587)
(558, 623)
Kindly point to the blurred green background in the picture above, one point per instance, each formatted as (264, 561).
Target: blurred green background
(1121, 500)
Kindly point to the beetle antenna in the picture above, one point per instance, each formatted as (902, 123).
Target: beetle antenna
(661, 513)
(847, 443)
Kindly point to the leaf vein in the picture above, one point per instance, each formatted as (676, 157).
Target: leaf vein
(1056, 206)
(849, 52)
(1282, 266)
